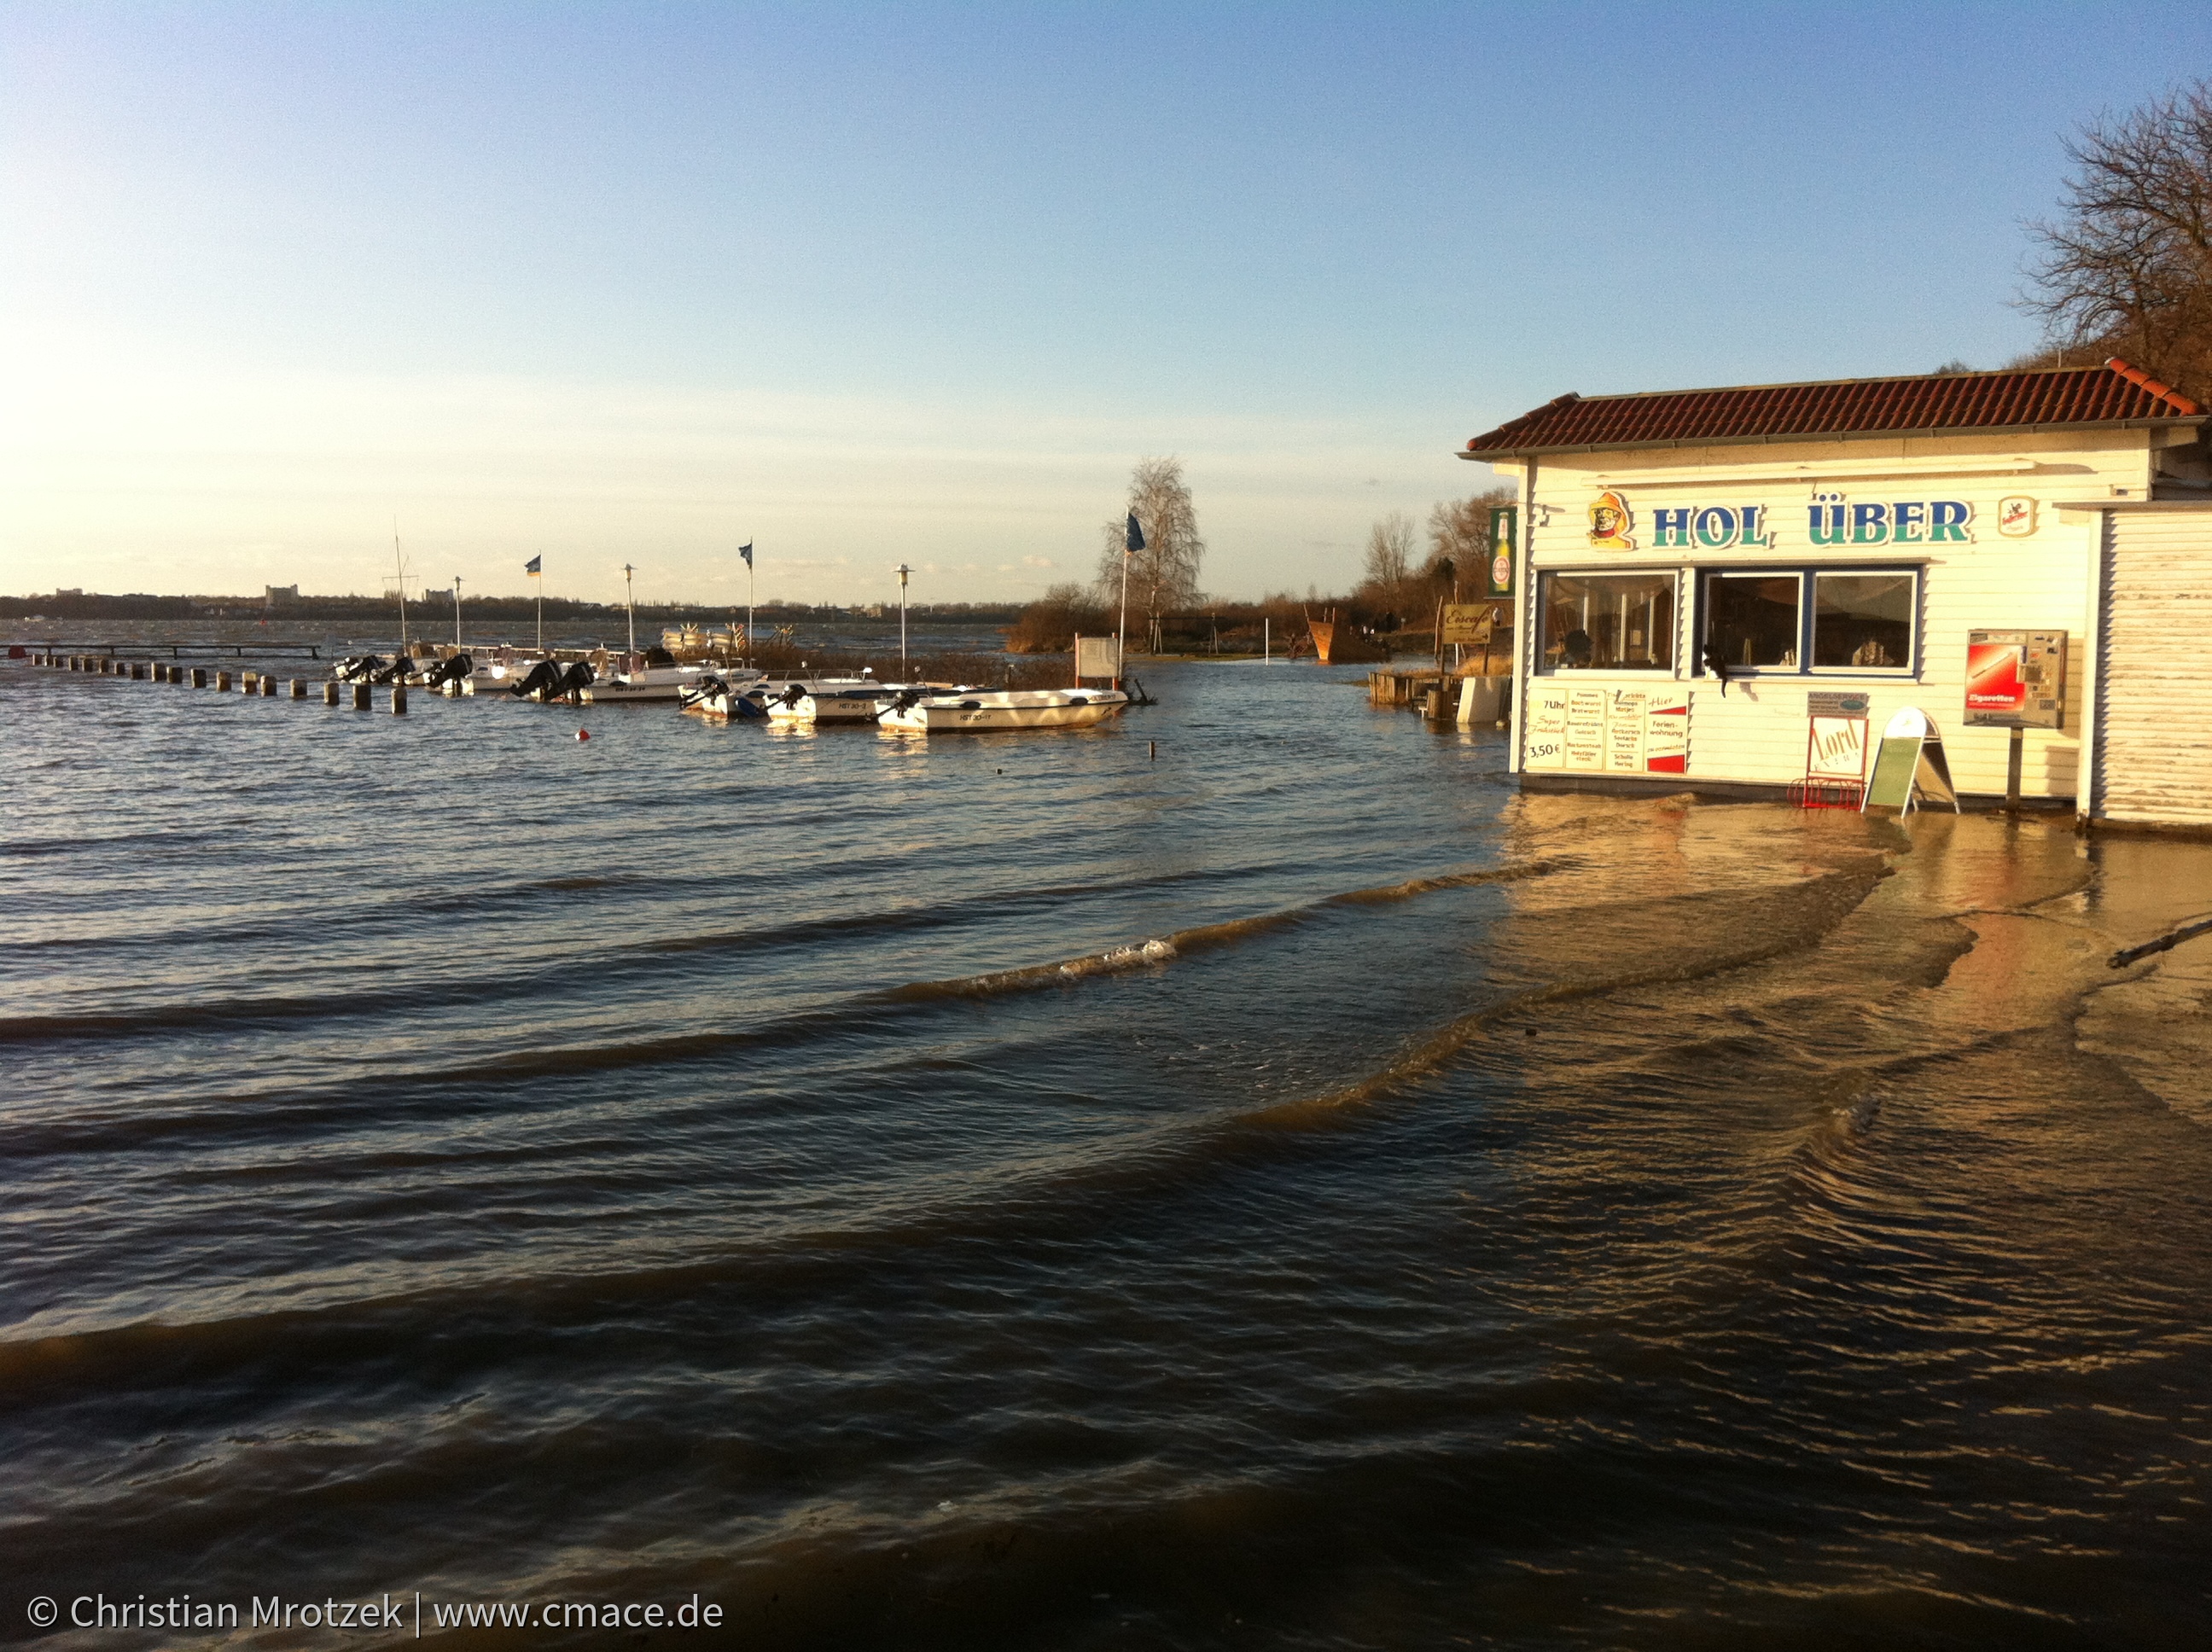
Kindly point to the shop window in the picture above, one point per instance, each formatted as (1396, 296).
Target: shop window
(1751, 619)
(1856, 619)
(1862, 622)
(1607, 622)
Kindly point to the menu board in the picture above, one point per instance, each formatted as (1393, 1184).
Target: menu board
(1544, 740)
(1586, 709)
(1618, 731)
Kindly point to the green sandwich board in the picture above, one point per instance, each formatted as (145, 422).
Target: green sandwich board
(1909, 766)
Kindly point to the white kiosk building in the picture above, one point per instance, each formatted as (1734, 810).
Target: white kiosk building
(1726, 590)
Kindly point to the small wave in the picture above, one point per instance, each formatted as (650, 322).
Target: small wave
(1385, 893)
(1184, 943)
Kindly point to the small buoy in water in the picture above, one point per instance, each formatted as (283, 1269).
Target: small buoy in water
(583, 734)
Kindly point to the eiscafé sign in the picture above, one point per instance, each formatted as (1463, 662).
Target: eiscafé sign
(1831, 521)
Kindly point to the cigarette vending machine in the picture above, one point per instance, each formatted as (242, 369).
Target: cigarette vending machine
(2015, 679)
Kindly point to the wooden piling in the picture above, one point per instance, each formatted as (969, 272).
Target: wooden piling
(138, 672)
(268, 686)
(199, 677)
(223, 682)
(361, 696)
(331, 692)
(299, 688)
(399, 699)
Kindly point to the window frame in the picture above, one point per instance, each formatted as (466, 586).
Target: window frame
(1539, 635)
(1806, 575)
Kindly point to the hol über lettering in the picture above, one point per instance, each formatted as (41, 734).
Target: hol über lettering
(1831, 520)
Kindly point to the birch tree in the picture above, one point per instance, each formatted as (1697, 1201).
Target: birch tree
(1163, 576)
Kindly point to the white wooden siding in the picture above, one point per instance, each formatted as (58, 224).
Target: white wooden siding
(2154, 701)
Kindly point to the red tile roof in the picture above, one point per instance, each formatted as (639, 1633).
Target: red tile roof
(2114, 393)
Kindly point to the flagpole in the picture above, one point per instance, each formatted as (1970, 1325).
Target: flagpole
(748, 603)
(540, 577)
(1130, 541)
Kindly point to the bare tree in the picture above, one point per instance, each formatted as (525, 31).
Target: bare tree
(1459, 530)
(1163, 576)
(1389, 553)
(2129, 267)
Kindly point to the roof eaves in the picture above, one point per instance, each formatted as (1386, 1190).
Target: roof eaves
(1770, 438)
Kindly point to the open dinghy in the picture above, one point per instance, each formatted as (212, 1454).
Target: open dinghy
(971, 708)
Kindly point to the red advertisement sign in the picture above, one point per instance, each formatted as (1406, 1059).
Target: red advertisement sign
(1994, 681)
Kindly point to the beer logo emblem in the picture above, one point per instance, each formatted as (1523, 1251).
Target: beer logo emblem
(2015, 516)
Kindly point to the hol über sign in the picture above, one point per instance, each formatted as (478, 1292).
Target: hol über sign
(1831, 520)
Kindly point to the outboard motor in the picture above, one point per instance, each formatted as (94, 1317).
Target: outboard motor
(792, 695)
(450, 670)
(707, 687)
(538, 684)
(357, 668)
(395, 671)
(578, 677)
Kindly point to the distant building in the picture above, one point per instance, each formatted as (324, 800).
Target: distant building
(74, 591)
(276, 593)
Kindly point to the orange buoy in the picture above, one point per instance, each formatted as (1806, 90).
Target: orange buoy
(583, 734)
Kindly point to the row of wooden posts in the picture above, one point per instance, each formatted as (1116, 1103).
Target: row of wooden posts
(199, 677)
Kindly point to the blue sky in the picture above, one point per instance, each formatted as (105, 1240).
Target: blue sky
(919, 283)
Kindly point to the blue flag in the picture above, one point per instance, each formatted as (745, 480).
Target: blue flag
(1134, 538)
(745, 550)
(532, 568)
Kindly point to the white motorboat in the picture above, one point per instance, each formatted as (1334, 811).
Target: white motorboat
(650, 683)
(497, 670)
(727, 692)
(847, 700)
(966, 709)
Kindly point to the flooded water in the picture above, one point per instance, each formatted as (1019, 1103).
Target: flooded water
(1292, 1191)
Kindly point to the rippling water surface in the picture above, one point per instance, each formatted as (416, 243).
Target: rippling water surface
(1014, 1190)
